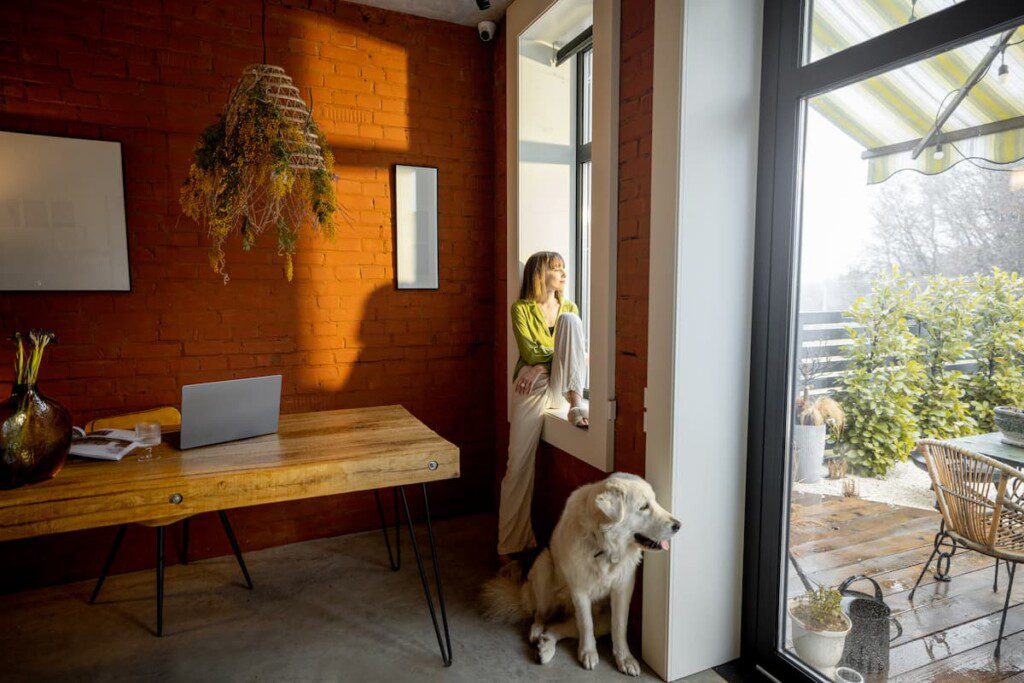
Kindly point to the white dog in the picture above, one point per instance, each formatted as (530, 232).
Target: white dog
(591, 562)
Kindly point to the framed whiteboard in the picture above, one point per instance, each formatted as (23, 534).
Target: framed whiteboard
(416, 227)
(62, 217)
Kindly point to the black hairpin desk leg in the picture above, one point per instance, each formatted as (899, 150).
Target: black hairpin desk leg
(394, 561)
(444, 644)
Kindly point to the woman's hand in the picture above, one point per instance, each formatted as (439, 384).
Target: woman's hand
(526, 379)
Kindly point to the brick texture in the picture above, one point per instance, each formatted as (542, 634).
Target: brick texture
(636, 87)
(387, 88)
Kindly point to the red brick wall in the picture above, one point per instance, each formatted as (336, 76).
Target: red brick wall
(636, 87)
(387, 88)
(558, 473)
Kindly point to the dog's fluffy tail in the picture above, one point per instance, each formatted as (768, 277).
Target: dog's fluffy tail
(505, 598)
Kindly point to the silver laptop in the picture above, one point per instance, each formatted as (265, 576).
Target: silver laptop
(215, 412)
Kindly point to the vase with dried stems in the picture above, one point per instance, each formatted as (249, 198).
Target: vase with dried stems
(815, 417)
(35, 430)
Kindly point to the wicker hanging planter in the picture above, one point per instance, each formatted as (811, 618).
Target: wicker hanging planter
(280, 90)
(264, 163)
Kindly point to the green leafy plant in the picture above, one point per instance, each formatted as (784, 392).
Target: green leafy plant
(943, 309)
(879, 391)
(820, 610)
(997, 340)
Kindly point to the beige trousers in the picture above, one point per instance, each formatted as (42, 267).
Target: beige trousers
(568, 373)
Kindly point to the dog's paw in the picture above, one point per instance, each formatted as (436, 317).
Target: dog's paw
(536, 631)
(545, 648)
(627, 664)
(588, 659)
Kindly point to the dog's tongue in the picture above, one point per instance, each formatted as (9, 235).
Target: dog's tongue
(664, 545)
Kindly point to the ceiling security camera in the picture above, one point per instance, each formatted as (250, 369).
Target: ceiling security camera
(486, 30)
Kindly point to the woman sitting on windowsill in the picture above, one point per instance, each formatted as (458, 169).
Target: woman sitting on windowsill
(552, 369)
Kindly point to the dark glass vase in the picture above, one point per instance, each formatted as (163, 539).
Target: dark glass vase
(35, 435)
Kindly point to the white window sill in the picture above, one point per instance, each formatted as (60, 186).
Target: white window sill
(561, 433)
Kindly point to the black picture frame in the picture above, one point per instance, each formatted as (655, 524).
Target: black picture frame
(395, 230)
(124, 209)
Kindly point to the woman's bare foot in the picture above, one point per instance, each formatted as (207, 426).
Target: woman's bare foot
(577, 417)
(574, 406)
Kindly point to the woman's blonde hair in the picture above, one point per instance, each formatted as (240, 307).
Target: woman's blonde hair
(536, 271)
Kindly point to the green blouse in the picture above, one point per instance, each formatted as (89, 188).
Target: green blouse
(535, 341)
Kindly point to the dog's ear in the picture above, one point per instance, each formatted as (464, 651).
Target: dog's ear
(610, 505)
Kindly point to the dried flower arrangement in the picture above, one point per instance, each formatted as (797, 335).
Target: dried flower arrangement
(837, 468)
(263, 164)
(27, 363)
(820, 411)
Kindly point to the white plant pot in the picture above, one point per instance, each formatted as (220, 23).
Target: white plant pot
(809, 450)
(820, 649)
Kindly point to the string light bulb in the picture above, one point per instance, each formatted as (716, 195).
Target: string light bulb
(1003, 74)
(938, 153)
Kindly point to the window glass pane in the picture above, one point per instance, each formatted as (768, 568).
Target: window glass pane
(838, 24)
(587, 91)
(910, 311)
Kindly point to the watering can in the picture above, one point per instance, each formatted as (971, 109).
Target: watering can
(867, 644)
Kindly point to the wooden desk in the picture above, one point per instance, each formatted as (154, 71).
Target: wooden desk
(312, 454)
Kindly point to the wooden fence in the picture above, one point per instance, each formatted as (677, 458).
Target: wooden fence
(822, 360)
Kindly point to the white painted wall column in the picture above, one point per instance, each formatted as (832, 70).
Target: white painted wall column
(704, 160)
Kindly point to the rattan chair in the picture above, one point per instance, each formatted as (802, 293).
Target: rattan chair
(982, 505)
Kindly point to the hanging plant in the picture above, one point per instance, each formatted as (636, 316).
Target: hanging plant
(263, 164)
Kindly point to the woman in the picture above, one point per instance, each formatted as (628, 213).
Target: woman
(552, 369)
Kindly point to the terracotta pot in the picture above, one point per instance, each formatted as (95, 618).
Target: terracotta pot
(35, 435)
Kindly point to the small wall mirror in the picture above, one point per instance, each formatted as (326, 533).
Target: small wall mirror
(416, 227)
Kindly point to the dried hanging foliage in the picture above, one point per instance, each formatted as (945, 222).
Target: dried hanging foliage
(263, 164)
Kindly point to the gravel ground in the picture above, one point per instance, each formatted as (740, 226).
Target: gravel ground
(905, 485)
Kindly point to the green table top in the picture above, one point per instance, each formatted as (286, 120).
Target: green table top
(992, 445)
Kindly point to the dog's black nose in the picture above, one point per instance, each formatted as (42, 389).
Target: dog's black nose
(675, 525)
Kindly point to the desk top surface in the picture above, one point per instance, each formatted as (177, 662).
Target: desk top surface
(311, 454)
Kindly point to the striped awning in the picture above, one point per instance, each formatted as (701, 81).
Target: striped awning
(889, 114)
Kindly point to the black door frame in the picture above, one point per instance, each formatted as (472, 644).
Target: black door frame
(784, 85)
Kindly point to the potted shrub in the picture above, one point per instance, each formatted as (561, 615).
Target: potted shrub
(819, 627)
(814, 419)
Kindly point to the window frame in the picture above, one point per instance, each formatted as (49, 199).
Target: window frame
(584, 155)
(524, 21)
(785, 84)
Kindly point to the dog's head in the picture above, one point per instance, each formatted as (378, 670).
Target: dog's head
(626, 507)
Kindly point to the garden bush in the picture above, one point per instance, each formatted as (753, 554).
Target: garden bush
(941, 311)
(879, 390)
(900, 384)
(997, 340)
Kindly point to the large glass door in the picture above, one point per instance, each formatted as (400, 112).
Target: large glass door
(889, 309)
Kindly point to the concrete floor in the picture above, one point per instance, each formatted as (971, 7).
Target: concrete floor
(325, 610)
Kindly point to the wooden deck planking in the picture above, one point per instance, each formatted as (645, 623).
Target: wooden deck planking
(950, 629)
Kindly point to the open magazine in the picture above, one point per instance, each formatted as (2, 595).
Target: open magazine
(105, 444)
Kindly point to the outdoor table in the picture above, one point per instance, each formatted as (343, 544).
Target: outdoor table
(992, 445)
